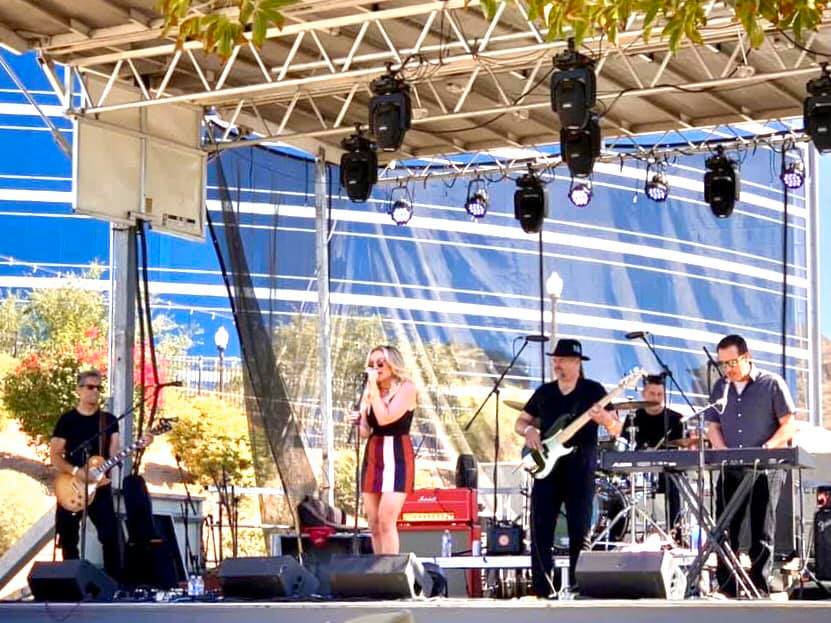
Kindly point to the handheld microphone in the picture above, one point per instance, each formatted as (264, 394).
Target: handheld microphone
(637, 335)
(536, 338)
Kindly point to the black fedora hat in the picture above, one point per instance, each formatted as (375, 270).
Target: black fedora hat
(568, 348)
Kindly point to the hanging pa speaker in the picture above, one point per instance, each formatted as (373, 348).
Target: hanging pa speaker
(263, 577)
(630, 574)
(387, 576)
(70, 580)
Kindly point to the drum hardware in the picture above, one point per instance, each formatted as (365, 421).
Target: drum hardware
(631, 405)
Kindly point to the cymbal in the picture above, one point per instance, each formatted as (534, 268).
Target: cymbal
(519, 405)
(628, 405)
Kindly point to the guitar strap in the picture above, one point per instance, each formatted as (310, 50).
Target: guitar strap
(101, 433)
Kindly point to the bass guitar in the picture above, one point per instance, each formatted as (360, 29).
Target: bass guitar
(539, 463)
(69, 488)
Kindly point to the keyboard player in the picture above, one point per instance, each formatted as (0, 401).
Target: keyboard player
(759, 412)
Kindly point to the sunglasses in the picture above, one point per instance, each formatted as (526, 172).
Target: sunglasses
(377, 364)
(92, 387)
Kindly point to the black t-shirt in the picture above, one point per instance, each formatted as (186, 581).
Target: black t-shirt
(651, 428)
(77, 429)
(548, 404)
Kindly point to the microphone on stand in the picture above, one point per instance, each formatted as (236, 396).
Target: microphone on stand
(721, 403)
(637, 335)
(536, 338)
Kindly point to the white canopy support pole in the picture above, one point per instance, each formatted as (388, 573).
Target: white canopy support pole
(812, 233)
(324, 322)
(122, 329)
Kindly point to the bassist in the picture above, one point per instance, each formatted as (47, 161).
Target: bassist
(74, 428)
(572, 480)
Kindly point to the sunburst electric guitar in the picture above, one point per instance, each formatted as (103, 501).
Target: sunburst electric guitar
(69, 489)
(539, 463)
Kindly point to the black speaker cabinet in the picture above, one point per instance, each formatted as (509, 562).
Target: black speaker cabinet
(70, 580)
(467, 474)
(822, 543)
(388, 576)
(630, 574)
(263, 577)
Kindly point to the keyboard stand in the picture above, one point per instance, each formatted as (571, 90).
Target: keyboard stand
(717, 532)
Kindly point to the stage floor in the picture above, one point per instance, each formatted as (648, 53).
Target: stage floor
(429, 611)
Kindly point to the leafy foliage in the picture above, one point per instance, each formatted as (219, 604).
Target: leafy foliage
(211, 436)
(223, 23)
(681, 19)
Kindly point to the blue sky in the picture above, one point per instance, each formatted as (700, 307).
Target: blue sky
(825, 244)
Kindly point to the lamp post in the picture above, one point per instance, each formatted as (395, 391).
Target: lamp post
(221, 338)
(554, 287)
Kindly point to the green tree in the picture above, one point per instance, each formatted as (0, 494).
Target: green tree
(11, 320)
(211, 437)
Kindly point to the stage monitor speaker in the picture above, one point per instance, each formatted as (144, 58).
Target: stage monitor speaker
(70, 580)
(388, 576)
(263, 577)
(630, 574)
(822, 544)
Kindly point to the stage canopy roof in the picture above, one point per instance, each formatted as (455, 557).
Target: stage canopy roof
(309, 83)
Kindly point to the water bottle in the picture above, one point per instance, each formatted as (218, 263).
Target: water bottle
(192, 585)
(200, 585)
(446, 544)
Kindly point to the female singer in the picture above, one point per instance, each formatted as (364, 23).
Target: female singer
(388, 471)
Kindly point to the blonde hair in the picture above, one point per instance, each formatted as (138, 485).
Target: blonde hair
(394, 359)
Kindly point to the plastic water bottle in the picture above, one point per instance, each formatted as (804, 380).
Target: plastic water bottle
(200, 585)
(446, 544)
(192, 585)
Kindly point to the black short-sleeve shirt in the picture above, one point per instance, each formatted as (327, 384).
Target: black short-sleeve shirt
(548, 404)
(77, 428)
(650, 428)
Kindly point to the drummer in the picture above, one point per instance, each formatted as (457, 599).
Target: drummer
(653, 430)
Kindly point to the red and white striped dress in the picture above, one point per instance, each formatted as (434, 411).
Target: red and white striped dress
(389, 459)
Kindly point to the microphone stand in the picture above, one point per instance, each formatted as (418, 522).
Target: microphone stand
(495, 391)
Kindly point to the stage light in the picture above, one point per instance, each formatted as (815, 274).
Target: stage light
(390, 111)
(580, 194)
(530, 203)
(579, 148)
(573, 88)
(358, 167)
(816, 111)
(721, 184)
(793, 170)
(657, 185)
(477, 198)
(400, 208)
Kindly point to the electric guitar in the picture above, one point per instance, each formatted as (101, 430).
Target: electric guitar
(69, 488)
(539, 463)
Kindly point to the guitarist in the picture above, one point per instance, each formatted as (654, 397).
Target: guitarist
(572, 479)
(74, 428)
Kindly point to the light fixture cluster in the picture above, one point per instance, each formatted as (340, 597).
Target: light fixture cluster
(390, 116)
(477, 198)
(573, 96)
(793, 168)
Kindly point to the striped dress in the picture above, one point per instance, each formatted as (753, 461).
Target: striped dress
(389, 460)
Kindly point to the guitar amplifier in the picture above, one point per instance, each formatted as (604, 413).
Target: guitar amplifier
(444, 506)
(822, 543)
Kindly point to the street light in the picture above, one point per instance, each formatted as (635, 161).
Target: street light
(221, 338)
(554, 287)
